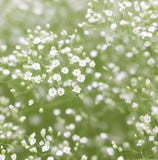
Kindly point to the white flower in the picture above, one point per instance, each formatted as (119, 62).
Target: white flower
(52, 92)
(23, 142)
(36, 40)
(43, 132)
(30, 102)
(76, 89)
(120, 158)
(61, 91)
(2, 117)
(83, 140)
(50, 158)
(110, 151)
(103, 136)
(93, 53)
(134, 105)
(147, 118)
(56, 112)
(36, 66)
(41, 143)
(78, 118)
(82, 63)
(67, 134)
(27, 76)
(113, 26)
(155, 130)
(151, 138)
(99, 97)
(108, 12)
(92, 64)
(75, 59)
(32, 141)
(13, 156)
(55, 63)
(69, 111)
(84, 157)
(140, 142)
(57, 77)
(53, 51)
(81, 78)
(45, 148)
(75, 137)
(66, 150)
(76, 72)
(37, 79)
(71, 126)
(59, 153)
(33, 149)
(65, 70)
(123, 22)
(151, 61)
(6, 72)
(2, 157)
(97, 75)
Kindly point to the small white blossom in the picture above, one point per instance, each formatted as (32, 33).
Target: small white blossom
(147, 118)
(52, 92)
(66, 150)
(30, 102)
(93, 53)
(36, 66)
(55, 63)
(43, 132)
(37, 79)
(65, 70)
(13, 156)
(81, 78)
(78, 118)
(50, 158)
(76, 89)
(92, 64)
(6, 72)
(45, 148)
(83, 140)
(140, 142)
(2, 157)
(57, 77)
(56, 112)
(120, 158)
(82, 63)
(110, 151)
(27, 76)
(155, 130)
(84, 157)
(59, 153)
(61, 91)
(76, 72)
(36, 40)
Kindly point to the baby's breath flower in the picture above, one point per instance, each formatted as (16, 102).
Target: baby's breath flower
(140, 142)
(84, 157)
(76, 89)
(45, 148)
(27, 76)
(36, 66)
(66, 150)
(52, 92)
(61, 91)
(13, 156)
(65, 70)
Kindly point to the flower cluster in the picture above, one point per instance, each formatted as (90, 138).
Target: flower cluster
(88, 95)
(51, 64)
(11, 130)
